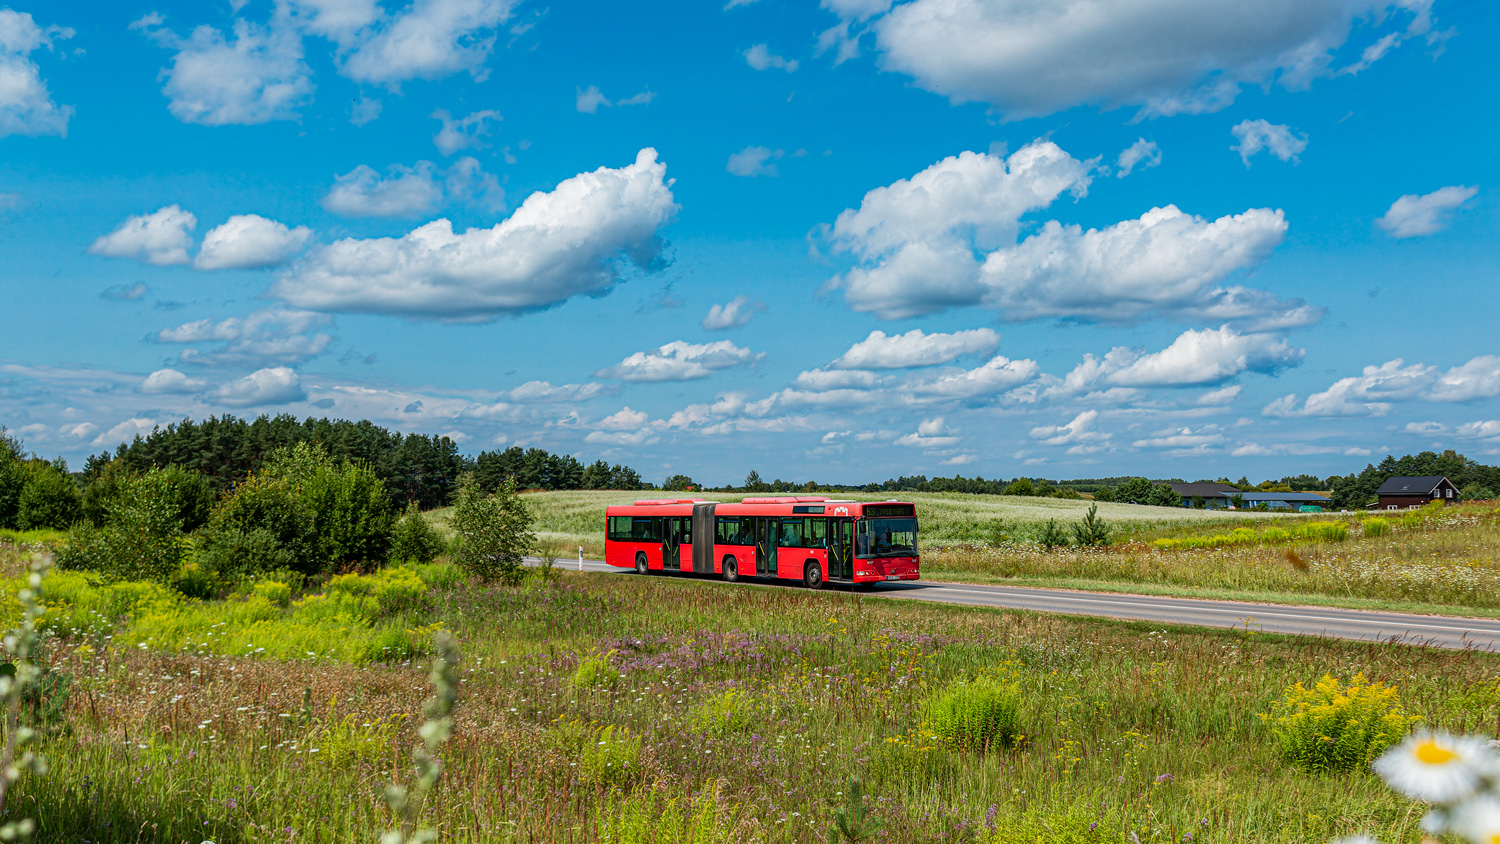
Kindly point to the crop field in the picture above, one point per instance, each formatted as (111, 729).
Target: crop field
(567, 520)
(596, 708)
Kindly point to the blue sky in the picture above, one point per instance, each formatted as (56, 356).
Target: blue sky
(841, 241)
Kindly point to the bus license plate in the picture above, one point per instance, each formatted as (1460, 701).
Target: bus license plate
(893, 577)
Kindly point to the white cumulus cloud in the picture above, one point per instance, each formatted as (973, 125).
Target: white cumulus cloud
(1257, 135)
(1142, 154)
(467, 132)
(996, 376)
(1029, 59)
(760, 57)
(26, 106)
(732, 314)
(250, 242)
(556, 245)
(915, 348)
(272, 335)
(754, 161)
(1080, 431)
(256, 77)
(429, 39)
(412, 191)
(262, 388)
(1164, 262)
(161, 238)
(679, 361)
(170, 381)
(590, 99)
(1377, 388)
(1207, 357)
(1414, 216)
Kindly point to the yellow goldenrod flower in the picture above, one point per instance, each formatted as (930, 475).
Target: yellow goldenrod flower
(1435, 766)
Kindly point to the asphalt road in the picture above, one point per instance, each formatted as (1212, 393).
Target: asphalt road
(1429, 630)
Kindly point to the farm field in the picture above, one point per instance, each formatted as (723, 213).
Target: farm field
(570, 519)
(1443, 562)
(597, 708)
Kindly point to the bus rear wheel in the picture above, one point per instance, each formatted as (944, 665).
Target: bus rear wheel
(731, 570)
(812, 576)
(641, 566)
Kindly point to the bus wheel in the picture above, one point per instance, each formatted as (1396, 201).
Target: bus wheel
(731, 570)
(812, 575)
(641, 566)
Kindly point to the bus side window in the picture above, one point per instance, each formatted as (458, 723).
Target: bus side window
(861, 539)
(791, 533)
(817, 533)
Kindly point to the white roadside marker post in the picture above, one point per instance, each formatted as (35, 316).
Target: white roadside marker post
(580, 558)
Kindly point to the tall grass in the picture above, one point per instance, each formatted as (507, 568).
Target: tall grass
(1130, 729)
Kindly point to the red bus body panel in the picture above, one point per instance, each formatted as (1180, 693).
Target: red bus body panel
(789, 561)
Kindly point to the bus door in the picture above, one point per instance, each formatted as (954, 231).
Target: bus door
(841, 549)
(684, 558)
(765, 546)
(669, 542)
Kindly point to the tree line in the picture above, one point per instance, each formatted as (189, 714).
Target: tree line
(413, 467)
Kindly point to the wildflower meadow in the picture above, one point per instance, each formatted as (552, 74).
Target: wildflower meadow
(619, 708)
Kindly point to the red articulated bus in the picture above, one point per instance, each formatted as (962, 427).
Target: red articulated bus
(813, 539)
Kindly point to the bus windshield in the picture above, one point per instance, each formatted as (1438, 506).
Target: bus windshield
(886, 538)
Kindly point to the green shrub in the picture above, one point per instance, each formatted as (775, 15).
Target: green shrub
(593, 671)
(274, 592)
(415, 539)
(271, 505)
(493, 532)
(195, 582)
(977, 715)
(1376, 526)
(1052, 535)
(231, 553)
(726, 712)
(1092, 530)
(350, 514)
(1333, 727)
(48, 498)
(12, 479)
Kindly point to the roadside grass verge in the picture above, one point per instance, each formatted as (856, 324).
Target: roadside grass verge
(1131, 730)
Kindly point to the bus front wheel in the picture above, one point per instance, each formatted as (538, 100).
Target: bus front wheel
(812, 576)
(641, 566)
(731, 570)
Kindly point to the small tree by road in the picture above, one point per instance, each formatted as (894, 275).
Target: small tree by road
(494, 532)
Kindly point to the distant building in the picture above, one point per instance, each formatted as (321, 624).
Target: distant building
(1218, 496)
(1405, 493)
(1214, 495)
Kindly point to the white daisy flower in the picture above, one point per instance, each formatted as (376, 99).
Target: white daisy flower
(1435, 766)
(1479, 820)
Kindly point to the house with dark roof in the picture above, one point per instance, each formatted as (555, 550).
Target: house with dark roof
(1214, 495)
(1217, 496)
(1405, 493)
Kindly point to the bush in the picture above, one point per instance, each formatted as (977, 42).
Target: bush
(142, 536)
(1092, 530)
(493, 532)
(1476, 492)
(1019, 486)
(978, 715)
(1323, 531)
(1376, 526)
(1052, 535)
(12, 479)
(351, 517)
(196, 582)
(271, 506)
(230, 553)
(48, 499)
(1333, 727)
(415, 539)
